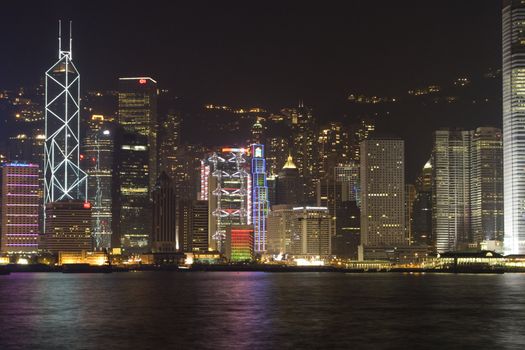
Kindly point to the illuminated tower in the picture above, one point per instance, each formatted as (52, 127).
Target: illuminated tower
(229, 193)
(513, 76)
(63, 178)
(67, 212)
(259, 197)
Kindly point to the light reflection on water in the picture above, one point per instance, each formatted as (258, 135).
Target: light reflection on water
(198, 310)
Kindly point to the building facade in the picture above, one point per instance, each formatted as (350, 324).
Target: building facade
(137, 113)
(19, 209)
(513, 77)
(382, 192)
(164, 238)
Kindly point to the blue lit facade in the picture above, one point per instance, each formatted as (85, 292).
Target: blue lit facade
(259, 197)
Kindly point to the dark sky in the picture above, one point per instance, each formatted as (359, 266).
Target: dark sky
(256, 52)
(274, 53)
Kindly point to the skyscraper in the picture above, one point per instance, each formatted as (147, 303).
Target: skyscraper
(164, 232)
(259, 197)
(20, 205)
(63, 178)
(513, 76)
(229, 193)
(487, 185)
(132, 204)
(137, 113)
(422, 208)
(288, 189)
(310, 234)
(304, 144)
(98, 151)
(382, 192)
(65, 183)
(451, 166)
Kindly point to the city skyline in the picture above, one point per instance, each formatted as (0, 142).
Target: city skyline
(246, 175)
(200, 73)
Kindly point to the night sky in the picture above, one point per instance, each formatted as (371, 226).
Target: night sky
(268, 53)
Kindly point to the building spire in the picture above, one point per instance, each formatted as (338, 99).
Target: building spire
(71, 39)
(59, 38)
(289, 163)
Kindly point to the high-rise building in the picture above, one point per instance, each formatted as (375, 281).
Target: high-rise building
(422, 208)
(304, 144)
(137, 113)
(193, 226)
(467, 188)
(63, 178)
(97, 158)
(451, 210)
(277, 151)
(280, 229)
(288, 188)
(382, 192)
(132, 204)
(65, 183)
(259, 197)
(487, 185)
(169, 143)
(19, 208)
(67, 226)
(164, 237)
(239, 243)
(513, 76)
(410, 198)
(310, 232)
(229, 192)
(334, 148)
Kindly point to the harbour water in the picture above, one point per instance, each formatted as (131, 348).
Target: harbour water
(255, 310)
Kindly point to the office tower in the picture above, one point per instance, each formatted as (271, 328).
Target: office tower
(199, 232)
(169, 143)
(360, 131)
(410, 198)
(137, 113)
(97, 159)
(257, 131)
(63, 178)
(20, 208)
(164, 232)
(310, 236)
(422, 208)
(27, 147)
(340, 185)
(451, 166)
(132, 205)
(197, 235)
(513, 76)
(67, 226)
(288, 188)
(334, 148)
(382, 192)
(279, 229)
(271, 181)
(229, 193)
(304, 144)
(343, 204)
(347, 237)
(277, 151)
(65, 183)
(348, 175)
(239, 243)
(487, 185)
(259, 197)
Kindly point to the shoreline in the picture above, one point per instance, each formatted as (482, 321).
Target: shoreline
(84, 268)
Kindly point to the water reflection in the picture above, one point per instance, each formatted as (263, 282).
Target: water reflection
(165, 310)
